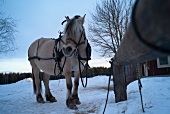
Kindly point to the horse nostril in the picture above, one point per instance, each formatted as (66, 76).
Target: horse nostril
(69, 49)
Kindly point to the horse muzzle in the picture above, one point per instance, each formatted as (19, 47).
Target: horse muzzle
(68, 51)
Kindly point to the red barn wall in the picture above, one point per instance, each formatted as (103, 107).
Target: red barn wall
(153, 70)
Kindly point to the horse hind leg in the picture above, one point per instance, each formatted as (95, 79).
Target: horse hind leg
(36, 82)
(48, 95)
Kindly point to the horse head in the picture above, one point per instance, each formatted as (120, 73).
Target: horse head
(74, 35)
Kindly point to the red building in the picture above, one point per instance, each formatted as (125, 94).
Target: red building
(160, 66)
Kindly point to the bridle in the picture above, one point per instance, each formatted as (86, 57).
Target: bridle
(77, 44)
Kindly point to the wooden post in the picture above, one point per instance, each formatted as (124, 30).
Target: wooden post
(119, 83)
(147, 38)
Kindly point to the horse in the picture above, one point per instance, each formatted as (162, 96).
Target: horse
(66, 56)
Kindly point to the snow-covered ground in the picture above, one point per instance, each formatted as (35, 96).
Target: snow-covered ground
(18, 98)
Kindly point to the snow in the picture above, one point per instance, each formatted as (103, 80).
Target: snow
(18, 98)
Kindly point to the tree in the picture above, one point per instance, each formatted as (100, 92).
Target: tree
(109, 23)
(7, 30)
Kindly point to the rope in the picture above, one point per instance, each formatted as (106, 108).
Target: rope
(139, 85)
(108, 86)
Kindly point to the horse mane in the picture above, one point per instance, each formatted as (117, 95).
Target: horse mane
(69, 26)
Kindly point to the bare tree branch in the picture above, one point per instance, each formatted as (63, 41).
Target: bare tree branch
(7, 30)
(110, 21)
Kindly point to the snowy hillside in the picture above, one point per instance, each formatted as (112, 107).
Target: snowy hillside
(18, 98)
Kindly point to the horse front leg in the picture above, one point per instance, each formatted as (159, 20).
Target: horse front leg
(75, 89)
(48, 95)
(69, 99)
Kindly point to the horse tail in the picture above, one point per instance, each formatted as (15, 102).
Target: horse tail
(40, 77)
(34, 86)
(32, 55)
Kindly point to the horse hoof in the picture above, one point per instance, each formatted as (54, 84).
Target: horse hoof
(77, 101)
(39, 100)
(52, 99)
(72, 106)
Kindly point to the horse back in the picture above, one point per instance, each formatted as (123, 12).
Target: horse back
(41, 47)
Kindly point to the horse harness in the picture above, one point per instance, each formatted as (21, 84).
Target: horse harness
(58, 55)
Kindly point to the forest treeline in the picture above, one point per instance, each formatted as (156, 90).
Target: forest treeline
(8, 78)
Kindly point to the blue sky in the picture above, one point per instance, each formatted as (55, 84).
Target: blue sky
(42, 18)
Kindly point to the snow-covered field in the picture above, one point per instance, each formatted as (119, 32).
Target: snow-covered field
(18, 98)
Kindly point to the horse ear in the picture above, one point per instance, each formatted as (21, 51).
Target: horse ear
(82, 19)
(67, 18)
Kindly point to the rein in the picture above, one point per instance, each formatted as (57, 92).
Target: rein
(84, 85)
